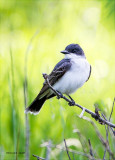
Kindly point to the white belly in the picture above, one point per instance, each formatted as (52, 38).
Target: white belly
(74, 78)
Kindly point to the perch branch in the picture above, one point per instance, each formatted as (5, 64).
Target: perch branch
(94, 115)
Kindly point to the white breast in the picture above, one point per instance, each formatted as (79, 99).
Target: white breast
(75, 77)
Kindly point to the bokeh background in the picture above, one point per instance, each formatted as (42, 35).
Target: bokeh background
(32, 34)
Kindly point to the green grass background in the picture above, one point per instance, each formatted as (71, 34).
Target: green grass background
(39, 30)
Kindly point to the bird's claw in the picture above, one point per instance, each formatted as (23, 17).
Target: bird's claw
(72, 103)
(59, 95)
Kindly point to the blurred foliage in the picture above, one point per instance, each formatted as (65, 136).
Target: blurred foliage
(54, 25)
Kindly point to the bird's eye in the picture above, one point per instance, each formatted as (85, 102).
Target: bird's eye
(74, 50)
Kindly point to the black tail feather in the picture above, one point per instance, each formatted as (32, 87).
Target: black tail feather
(35, 106)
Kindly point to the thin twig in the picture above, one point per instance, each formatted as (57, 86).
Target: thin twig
(94, 115)
(107, 130)
(103, 141)
(110, 126)
(75, 152)
(39, 158)
(91, 149)
(106, 142)
(82, 140)
(112, 109)
(67, 149)
(104, 153)
(26, 122)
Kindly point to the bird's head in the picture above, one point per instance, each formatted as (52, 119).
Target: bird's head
(73, 50)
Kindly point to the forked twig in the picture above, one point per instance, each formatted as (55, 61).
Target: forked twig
(107, 130)
(86, 155)
(103, 141)
(94, 115)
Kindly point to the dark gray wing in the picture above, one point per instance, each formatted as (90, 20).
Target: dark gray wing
(59, 70)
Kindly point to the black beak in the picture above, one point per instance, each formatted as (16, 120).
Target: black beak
(65, 52)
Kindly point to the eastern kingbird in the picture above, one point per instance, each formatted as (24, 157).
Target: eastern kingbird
(67, 76)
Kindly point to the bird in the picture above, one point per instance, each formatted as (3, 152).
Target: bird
(67, 76)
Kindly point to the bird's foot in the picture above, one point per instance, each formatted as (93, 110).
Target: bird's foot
(59, 95)
(72, 103)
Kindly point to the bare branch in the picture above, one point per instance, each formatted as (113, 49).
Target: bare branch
(82, 140)
(74, 152)
(104, 153)
(103, 141)
(110, 127)
(107, 130)
(38, 158)
(94, 115)
(67, 149)
(91, 149)
(112, 109)
(107, 142)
